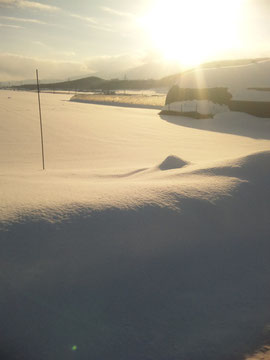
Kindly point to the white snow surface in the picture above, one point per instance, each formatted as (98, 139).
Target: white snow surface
(146, 236)
(238, 79)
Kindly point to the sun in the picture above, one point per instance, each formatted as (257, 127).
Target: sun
(193, 31)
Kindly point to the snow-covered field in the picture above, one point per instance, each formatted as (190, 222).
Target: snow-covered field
(146, 237)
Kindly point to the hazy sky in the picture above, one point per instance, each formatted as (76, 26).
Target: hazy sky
(67, 38)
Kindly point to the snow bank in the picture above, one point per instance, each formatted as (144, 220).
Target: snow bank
(186, 265)
(253, 167)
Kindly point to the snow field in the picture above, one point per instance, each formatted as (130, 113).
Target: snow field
(146, 236)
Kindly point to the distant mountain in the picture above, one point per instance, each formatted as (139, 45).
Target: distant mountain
(149, 70)
(153, 70)
(94, 83)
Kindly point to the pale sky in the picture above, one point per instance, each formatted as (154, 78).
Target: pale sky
(66, 38)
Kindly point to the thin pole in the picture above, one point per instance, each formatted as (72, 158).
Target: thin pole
(40, 120)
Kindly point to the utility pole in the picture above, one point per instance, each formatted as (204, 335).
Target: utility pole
(125, 79)
(40, 121)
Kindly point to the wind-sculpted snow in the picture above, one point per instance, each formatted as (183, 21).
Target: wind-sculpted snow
(182, 281)
(115, 259)
(172, 162)
(253, 168)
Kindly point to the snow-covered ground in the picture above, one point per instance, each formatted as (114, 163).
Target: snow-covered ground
(146, 237)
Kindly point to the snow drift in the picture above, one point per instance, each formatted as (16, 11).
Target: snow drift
(172, 162)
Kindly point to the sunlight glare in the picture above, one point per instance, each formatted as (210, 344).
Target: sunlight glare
(193, 31)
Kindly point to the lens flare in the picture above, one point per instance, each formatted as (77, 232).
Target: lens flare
(193, 31)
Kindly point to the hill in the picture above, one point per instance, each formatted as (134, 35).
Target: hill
(93, 83)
